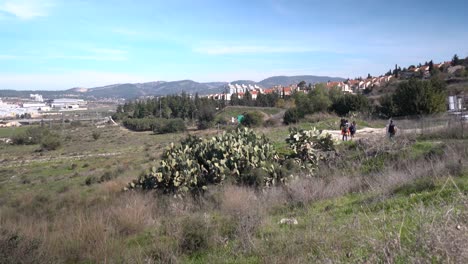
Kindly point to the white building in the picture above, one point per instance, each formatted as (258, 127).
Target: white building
(66, 103)
(36, 97)
(240, 89)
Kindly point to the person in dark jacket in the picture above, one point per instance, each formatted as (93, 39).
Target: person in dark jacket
(391, 130)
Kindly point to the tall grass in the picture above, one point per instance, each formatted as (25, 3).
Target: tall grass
(344, 215)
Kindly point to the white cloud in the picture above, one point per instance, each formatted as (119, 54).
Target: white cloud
(66, 80)
(26, 9)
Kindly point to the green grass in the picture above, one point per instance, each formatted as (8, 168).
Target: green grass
(234, 111)
(8, 132)
(392, 225)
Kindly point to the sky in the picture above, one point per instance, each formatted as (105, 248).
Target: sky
(60, 44)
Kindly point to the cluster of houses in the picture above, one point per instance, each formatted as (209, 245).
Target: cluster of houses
(36, 106)
(348, 86)
(423, 70)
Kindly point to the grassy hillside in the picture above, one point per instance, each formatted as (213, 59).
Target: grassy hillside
(377, 201)
(234, 111)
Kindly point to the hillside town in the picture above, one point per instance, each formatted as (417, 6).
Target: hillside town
(351, 86)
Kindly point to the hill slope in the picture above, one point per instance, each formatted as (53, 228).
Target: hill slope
(287, 80)
(134, 90)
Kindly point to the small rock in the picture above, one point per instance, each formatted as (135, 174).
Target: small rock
(288, 221)
(458, 227)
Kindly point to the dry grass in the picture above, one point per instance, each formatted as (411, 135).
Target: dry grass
(102, 224)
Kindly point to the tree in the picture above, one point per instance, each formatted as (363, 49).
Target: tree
(387, 106)
(455, 60)
(302, 85)
(416, 97)
(292, 116)
(351, 103)
(431, 66)
(252, 119)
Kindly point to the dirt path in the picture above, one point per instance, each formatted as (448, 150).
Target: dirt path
(18, 163)
(367, 133)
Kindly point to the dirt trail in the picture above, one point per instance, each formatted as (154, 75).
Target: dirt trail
(366, 133)
(18, 163)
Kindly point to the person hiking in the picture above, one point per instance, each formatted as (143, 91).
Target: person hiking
(345, 130)
(391, 129)
(342, 123)
(352, 129)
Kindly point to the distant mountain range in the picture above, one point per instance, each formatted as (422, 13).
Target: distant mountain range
(135, 90)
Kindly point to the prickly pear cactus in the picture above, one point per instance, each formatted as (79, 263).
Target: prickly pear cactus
(197, 163)
(309, 146)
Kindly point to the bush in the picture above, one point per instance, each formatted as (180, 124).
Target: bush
(416, 97)
(75, 123)
(253, 119)
(32, 135)
(141, 124)
(292, 116)
(51, 142)
(195, 234)
(351, 103)
(169, 126)
(96, 135)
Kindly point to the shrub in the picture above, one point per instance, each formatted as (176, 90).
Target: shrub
(351, 103)
(253, 119)
(96, 135)
(292, 116)
(51, 142)
(32, 135)
(75, 123)
(195, 234)
(169, 126)
(141, 124)
(416, 97)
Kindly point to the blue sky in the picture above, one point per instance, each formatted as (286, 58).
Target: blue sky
(59, 44)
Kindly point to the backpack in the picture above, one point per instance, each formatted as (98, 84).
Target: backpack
(391, 129)
(345, 128)
(352, 129)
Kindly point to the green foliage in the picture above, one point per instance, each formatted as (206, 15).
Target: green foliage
(196, 163)
(32, 135)
(96, 135)
(50, 141)
(387, 106)
(322, 99)
(165, 126)
(292, 116)
(141, 124)
(174, 106)
(195, 234)
(416, 97)
(252, 119)
(157, 125)
(309, 146)
(455, 60)
(351, 103)
(206, 116)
